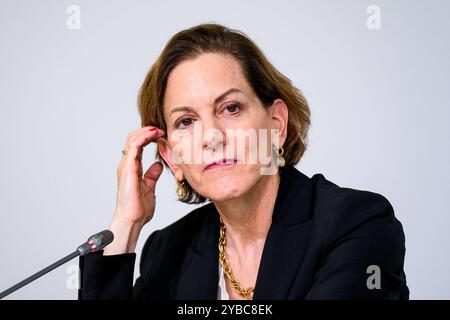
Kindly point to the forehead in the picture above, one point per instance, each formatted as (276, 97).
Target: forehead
(202, 79)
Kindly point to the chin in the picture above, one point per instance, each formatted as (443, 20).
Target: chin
(224, 195)
(227, 186)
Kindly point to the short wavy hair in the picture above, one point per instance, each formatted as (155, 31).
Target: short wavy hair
(267, 82)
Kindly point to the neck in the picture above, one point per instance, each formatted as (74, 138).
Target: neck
(248, 218)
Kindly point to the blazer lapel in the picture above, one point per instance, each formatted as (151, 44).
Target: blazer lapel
(287, 238)
(201, 266)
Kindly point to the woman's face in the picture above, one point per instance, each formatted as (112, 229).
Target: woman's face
(212, 114)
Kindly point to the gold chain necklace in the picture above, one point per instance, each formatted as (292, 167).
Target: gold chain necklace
(246, 293)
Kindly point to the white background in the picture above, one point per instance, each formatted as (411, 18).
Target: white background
(379, 102)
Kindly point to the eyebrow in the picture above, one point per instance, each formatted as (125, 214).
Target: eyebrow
(216, 101)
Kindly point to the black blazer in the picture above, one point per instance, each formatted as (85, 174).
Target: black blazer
(320, 244)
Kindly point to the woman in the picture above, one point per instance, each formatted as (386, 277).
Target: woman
(231, 128)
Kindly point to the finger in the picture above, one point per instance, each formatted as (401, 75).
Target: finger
(152, 175)
(135, 145)
(142, 130)
(132, 136)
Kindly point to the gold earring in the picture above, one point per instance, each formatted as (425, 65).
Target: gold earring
(280, 161)
(181, 189)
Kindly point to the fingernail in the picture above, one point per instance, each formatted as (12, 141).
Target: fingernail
(153, 129)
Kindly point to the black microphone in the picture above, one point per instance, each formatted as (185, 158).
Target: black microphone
(95, 243)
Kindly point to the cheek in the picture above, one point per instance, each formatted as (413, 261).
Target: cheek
(192, 173)
(182, 150)
(264, 135)
(254, 146)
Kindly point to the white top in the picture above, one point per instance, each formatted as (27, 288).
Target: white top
(222, 293)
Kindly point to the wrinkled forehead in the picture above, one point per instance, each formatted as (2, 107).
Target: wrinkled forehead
(201, 80)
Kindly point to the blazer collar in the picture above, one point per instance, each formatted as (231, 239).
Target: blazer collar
(282, 253)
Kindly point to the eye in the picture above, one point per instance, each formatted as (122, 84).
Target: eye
(183, 123)
(232, 108)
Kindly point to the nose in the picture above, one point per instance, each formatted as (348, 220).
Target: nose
(213, 134)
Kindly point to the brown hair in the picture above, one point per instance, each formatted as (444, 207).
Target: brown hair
(267, 82)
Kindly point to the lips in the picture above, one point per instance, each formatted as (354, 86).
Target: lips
(220, 163)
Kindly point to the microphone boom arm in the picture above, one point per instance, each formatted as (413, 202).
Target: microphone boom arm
(95, 243)
(39, 274)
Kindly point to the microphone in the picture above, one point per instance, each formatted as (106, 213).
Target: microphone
(95, 243)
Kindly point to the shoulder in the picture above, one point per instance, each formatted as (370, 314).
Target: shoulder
(360, 223)
(348, 206)
(358, 241)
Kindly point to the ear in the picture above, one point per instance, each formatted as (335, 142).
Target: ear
(280, 116)
(165, 151)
